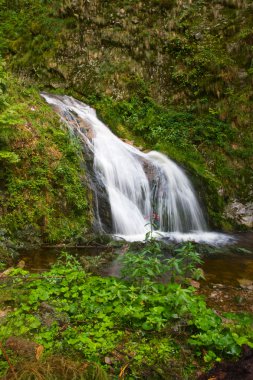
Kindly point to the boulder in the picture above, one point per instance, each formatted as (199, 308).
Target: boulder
(240, 213)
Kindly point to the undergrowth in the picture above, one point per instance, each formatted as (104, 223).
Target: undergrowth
(138, 327)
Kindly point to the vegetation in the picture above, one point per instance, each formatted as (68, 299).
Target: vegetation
(176, 76)
(171, 75)
(137, 327)
(42, 194)
(187, 138)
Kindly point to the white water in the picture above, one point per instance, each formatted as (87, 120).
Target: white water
(142, 188)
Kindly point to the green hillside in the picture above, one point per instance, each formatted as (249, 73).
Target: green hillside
(170, 75)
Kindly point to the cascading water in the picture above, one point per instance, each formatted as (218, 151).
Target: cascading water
(141, 187)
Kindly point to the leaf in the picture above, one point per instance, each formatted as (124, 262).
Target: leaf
(9, 157)
(147, 326)
(39, 352)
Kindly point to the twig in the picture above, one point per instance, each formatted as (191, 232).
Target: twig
(122, 371)
(8, 360)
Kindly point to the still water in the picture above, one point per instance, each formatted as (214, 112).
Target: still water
(228, 268)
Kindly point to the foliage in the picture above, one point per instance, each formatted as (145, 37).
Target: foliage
(201, 143)
(3, 84)
(9, 157)
(14, 34)
(42, 191)
(183, 88)
(67, 310)
(150, 264)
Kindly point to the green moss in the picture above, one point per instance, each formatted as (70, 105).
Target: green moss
(200, 144)
(43, 193)
(173, 76)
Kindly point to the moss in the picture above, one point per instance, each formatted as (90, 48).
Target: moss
(43, 192)
(173, 75)
(202, 145)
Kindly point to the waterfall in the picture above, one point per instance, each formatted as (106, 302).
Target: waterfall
(142, 188)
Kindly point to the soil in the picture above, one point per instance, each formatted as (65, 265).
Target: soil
(227, 298)
(239, 370)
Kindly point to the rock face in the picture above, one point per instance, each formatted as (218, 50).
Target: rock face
(189, 56)
(102, 214)
(102, 219)
(241, 213)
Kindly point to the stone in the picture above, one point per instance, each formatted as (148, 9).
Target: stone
(240, 213)
(6, 272)
(195, 284)
(21, 264)
(198, 36)
(4, 312)
(135, 20)
(242, 74)
(108, 360)
(245, 283)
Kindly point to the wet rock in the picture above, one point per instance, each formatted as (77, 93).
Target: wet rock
(245, 283)
(102, 212)
(195, 284)
(198, 36)
(240, 213)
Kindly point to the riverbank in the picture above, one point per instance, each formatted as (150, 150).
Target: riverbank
(132, 326)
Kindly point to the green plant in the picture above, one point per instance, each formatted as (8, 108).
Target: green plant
(44, 197)
(145, 265)
(150, 264)
(92, 317)
(189, 260)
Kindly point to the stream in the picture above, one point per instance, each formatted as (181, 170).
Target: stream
(228, 281)
(230, 268)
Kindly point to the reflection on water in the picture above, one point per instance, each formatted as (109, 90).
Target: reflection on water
(228, 268)
(40, 260)
(245, 240)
